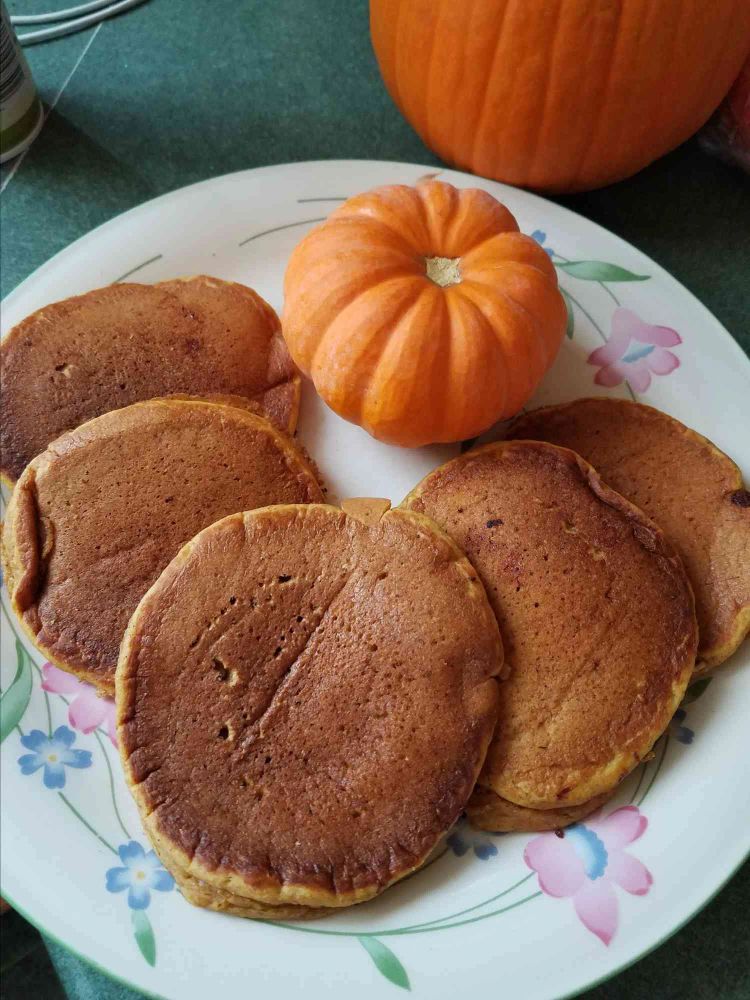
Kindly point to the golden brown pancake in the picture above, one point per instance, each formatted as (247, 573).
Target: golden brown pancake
(95, 518)
(692, 490)
(489, 811)
(227, 308)
(84, 356)
(304, 702)
(595, 611)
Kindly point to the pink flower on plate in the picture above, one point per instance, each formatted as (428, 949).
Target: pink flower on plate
(87, 710)
(586, 861)
(634, 352)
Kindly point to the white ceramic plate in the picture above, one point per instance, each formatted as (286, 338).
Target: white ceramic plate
(480, 918)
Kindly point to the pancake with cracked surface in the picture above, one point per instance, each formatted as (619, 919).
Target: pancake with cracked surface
(692, 490)
(95, 518)
(304, 702)
(83, 356)
(595, 611)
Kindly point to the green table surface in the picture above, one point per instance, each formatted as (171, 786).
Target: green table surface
(176, 91)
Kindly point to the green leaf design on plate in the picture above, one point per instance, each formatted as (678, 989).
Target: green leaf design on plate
(144, 935)
(695, 690)
(599, 270)
(385, 962)
(570, 325)
(16, 698)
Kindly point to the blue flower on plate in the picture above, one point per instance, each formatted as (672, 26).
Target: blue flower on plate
(683, 734)
(141, 873)
(53, 753)
(541, 238)
(463, 839)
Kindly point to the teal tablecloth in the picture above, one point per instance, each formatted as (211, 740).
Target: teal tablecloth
(179, 90)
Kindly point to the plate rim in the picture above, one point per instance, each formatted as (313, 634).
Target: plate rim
(568, 214)
(628, 964)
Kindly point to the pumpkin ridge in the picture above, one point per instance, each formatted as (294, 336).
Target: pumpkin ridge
(502, 265)
(428, 75)
(363, 215)
(546, 268)
(456, 220)
(439, 372)
(506, 349)
(397, 206)
(469, 33)
(489, 136)
(534, 339)
(443, 364)
(548, 356)
(369, 349)
(491, 334)
(325, 306)
(710, 69)
(663, 93)
(463, 234)
(371, 386)
(424, 215)
(655, 118)
(360, 216)
(440, 229)
(642, 32)
(485, 89)
(378, 275)
(453, 334)
(492, 236)
(548, 66)
(396, 35)
(593, 135)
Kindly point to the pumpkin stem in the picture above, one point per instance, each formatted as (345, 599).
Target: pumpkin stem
(443, 271)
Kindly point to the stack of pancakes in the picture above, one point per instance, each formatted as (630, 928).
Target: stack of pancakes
(79, 358)
(307, 696)
(605, 617)
(133, 417)
(597, 621)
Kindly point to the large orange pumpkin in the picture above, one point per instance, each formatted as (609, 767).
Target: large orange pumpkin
(562, 95)
(421, 313)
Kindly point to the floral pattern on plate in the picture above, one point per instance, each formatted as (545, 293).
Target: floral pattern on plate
(87, 710)
(634, 352)
(464, 838)
(586, 861)
(141, 872)
(53, 753)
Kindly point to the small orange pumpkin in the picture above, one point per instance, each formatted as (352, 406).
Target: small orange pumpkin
(421, 313)
(562, 95)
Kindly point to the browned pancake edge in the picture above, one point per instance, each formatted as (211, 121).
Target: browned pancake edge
(488, 811)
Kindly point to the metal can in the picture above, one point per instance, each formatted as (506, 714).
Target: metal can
(20, 108)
